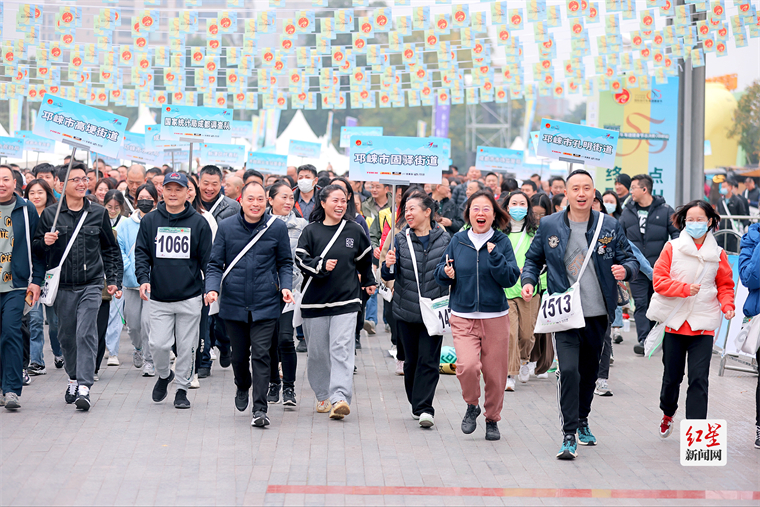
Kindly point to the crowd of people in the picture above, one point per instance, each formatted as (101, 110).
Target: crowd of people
(251, 270)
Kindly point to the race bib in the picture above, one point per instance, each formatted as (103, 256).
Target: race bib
(173, 243)
(560, 312)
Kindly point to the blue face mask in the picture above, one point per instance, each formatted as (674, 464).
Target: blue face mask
(610, 207)
(518, 212)
(696, 229)
(723, 191)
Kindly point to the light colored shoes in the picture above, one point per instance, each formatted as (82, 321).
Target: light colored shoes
(392, 352)
(137, 359)
(524, 373)
(340, 410)
(602, 389)
(426, 420)
(195, 383)
(149, 370)
(510, 384)
(212, 354)
(11, 401)
(324, 407)
(399, 367)
(113, 360)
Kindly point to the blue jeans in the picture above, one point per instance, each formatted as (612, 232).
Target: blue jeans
(618, 317)
(37, 332)
(115, 325)
(370, 312)
(11, 341)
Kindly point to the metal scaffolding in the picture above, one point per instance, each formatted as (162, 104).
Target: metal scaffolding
(487, 125)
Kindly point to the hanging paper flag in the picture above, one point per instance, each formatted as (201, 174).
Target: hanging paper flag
(460, 15)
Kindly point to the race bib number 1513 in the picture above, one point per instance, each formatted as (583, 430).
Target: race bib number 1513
(173, 243)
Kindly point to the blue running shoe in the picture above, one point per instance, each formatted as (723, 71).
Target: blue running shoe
(585, 436)
(569, 448)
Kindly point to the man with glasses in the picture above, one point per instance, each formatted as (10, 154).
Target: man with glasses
(93, 257)
(646, 222)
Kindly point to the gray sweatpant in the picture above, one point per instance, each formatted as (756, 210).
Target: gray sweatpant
(330, 367)
(137, 315)
(175, 321)
(77, 311)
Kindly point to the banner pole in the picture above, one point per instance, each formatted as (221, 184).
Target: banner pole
(63, 190)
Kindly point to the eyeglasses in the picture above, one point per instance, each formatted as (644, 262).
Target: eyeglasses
(478, 210)
(77, 181)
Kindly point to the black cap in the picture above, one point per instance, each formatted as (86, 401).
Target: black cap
(624, 180)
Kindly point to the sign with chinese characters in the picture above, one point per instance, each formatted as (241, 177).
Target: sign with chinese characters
(413, 159)
(204, 124)
(577, 143)
(133, 148)
(498, 159)
(153, 139)
(304, 149)
(270, 163)
(35, 143)
(11, 147)
(242, 129)
(223, 154)
(63, 120)
(704, 443)
(347, 132)
(647, 120)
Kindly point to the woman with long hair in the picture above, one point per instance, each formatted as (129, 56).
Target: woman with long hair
(416, 253)
(541, 206)
(520, 229)
(281, 202)
(41, 195)
(331, 249)
(102, 188)
(115, 205)
(611, 203)
(478, 265)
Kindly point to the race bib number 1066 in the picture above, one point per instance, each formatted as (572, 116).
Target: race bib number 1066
(173, 243)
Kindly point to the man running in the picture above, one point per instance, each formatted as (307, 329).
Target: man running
(561, 243)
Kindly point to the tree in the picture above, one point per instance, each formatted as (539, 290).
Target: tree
(747, 123)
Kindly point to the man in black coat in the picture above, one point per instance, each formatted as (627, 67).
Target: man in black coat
(646, 222)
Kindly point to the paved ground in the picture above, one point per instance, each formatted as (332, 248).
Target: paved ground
(129, 450)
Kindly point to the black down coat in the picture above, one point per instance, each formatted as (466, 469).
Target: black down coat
(406, 303)
(659, 229)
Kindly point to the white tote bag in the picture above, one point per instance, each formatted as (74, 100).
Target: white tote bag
(53, 276)
(748, 339)
(436, 313)
(213, 308)
(563, 310)
(297, 317)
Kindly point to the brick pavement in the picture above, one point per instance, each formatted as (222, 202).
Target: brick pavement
(128, 450)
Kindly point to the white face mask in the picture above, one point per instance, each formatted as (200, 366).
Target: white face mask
(305, 185)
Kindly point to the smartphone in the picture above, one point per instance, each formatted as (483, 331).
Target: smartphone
(29, 297)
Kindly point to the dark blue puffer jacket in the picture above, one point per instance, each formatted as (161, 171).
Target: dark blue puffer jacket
(749, 269)
(254, 284)
(548, 247)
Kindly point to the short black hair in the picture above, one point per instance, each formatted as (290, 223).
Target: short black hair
(679, 217)
(509, 185)
(153, 171)
(556, 178)
(531, 183)
(252, 173)
(307, 167)
(535, 175)
(491, 174)
(211, 170)
(645, 181)
(148, 187)
(43, 168)
(576, 172)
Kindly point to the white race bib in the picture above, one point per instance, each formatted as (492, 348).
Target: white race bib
(173, 243)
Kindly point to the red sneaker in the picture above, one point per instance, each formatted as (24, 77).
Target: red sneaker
(666, 426)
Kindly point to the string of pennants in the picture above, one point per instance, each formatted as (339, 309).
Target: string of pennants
(400, 56)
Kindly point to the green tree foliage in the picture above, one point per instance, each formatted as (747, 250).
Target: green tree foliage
(747, 123)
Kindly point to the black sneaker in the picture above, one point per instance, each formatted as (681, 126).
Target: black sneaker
(617, 339)
(469, 423)
(638, 349)
(180, 399)
(273, 396)
(225, 359)
(492, 430)
(204, 372)
(161, 387)
(289, 397)
(301, 347)
(83, 402)
(260, 419)
(358, 343)
(71, 393)
(36, 369)
(58, 362)
(757, 437)
(241, 400)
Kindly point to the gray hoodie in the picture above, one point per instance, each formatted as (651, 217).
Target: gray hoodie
(295, 226)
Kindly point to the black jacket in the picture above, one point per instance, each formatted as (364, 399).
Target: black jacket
(95, 253)
(406, 302)
(253, 286)
(659, 229)
(227, 208)
(172, 279)
(449, 209)
(20, 259)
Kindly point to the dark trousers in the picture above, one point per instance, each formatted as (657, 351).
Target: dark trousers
(423, 354)
(393, 323)
(105, 307)
(757, 394)
(11, 340)
(578, 354)
(675, 347)
(642, 291)
(26, 336)
(251, 340)
(283, 350)
(604, 362)
(202, 351)
(360, 318)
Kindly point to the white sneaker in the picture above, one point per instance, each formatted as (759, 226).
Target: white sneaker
(524, 374)
(113, 361)
(612, 359)
(399, 367)
(195, 383)
(602, 389)
(510, 384)
(543, 375)
(392, 352)
(149, 370)
(426, 420)
(212, 353)
(532, 368)
(137, 358)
